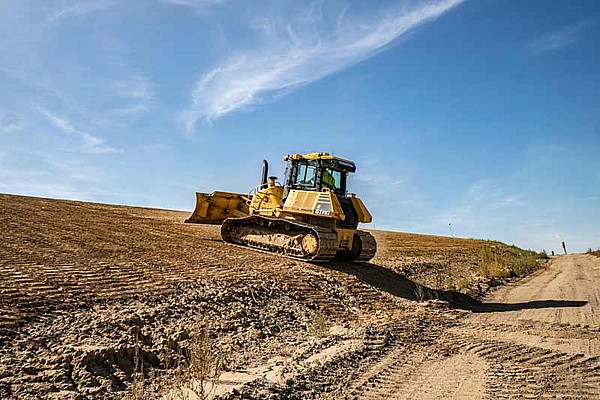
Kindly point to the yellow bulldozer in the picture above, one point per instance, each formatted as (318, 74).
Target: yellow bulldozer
(311, 216)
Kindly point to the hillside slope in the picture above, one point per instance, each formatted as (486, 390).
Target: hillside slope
(106, 300)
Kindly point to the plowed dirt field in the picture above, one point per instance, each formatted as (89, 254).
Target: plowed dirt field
(103, 301)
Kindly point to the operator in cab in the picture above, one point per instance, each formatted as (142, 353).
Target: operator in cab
(328, 179)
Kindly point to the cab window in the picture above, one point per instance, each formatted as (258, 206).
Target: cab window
(332, 179)
(307, 172)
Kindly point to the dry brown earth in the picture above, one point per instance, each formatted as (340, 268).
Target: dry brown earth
(101, 301)
(538, 338)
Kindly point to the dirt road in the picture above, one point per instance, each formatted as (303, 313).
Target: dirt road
(538, 338)
(557, 309)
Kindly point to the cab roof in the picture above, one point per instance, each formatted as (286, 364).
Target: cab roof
(335, 162)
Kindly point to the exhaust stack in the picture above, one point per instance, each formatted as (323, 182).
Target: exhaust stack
(265, 174)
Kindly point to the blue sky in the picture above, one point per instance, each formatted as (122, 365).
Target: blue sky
(480, 114)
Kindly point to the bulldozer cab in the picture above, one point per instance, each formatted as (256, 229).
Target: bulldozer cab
(316, 172)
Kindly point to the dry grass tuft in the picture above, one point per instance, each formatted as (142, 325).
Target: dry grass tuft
(594, 252)
(320, 326)
(195, 369)
(197, 377)
(419, 293)
(507, 261)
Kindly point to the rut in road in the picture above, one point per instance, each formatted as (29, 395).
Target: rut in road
(539, 338)
(408, 374)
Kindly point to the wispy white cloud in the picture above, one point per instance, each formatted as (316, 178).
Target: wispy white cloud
(26, 184)
(484, 203)
(299, 52)
(195, 3)
(57, 177)
(79, 9)
(381, 179)
(96, 145)
(562, 37)
(139, 94)
(507, 201)
(461, 215)
(61, 123)
(10, 123)
(90, 143)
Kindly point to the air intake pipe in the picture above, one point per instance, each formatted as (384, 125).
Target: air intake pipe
(265, 174)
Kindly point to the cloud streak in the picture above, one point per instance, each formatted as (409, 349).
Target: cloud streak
(195, 3)
(310, 47)
(138, 92)
(563, 37)
(90, 143)
(49, 183)
(480, 201)
(79, 9)
(10, 123)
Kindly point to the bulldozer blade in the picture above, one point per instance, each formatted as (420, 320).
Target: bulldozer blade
(215, 207)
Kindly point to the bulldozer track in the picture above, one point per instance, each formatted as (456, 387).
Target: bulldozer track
(31, 290)
(478, 368)
(327, 238)
(411, 373)
(537, 327)
(518, 371)
(369, 246)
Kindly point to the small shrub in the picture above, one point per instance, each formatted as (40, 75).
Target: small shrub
(520, 270)
(506, 261)
(463, 284)
(138, 390)
(419, 293)
(492, 270)
(319, 326)
(200, 373)
(595, 252)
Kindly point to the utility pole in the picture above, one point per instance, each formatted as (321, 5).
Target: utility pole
(564, 247)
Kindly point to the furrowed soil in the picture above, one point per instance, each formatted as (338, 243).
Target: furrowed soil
(104, 301)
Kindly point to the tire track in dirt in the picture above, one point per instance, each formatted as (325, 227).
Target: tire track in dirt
(519, 371)
(417, 374)
(536, 339)
(56, 255)
(541, 336)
